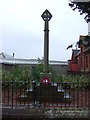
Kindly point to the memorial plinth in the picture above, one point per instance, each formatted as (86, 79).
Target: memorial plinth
(46, 93)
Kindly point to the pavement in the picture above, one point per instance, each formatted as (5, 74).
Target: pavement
(43, 113)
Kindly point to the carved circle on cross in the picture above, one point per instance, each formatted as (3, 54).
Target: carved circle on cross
(46, 15)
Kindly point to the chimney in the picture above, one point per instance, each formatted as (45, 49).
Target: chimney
(13, 55)
(88, 33)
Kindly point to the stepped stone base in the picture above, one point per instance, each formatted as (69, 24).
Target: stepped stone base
(50, 93)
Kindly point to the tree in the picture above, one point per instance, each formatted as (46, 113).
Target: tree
(83, 8)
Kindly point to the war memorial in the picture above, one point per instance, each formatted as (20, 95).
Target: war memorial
(46, 91)
(44, 99)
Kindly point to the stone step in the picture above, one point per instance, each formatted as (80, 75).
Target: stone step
(65, 98)
(45, 93)
(46, 90)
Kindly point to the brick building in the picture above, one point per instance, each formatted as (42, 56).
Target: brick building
(80, 60)
(73, 63)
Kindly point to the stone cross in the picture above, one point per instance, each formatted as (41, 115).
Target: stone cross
(46, 17)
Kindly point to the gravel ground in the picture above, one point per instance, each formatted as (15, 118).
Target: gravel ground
(66, 114)
(46, 113)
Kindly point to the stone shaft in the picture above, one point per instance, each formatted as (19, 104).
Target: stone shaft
(46, 47)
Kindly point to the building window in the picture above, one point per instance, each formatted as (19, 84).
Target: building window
(86, 61)
(82, 61)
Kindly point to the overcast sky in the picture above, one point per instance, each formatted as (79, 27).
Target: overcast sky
(21, 28)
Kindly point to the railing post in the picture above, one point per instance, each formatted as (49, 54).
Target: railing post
(77, 94)
(74, 94)
(82, 94)
(12, 92)
(24, 92)
(4, 91)
(86, 95)
(16, 91)
(8, 93)
(61, 82)
(34, 92)
(69, 93)
(28, 90)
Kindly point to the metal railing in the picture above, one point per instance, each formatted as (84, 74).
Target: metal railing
(54, 95)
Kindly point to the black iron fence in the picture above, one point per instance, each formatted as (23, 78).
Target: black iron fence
(52, 95)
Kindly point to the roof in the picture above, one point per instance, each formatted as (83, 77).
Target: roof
(5, 56)
(88, 48)
(7, 59)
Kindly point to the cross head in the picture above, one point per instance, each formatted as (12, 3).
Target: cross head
(46, 15)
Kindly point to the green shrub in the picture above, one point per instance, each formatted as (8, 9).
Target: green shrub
(22, 74)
